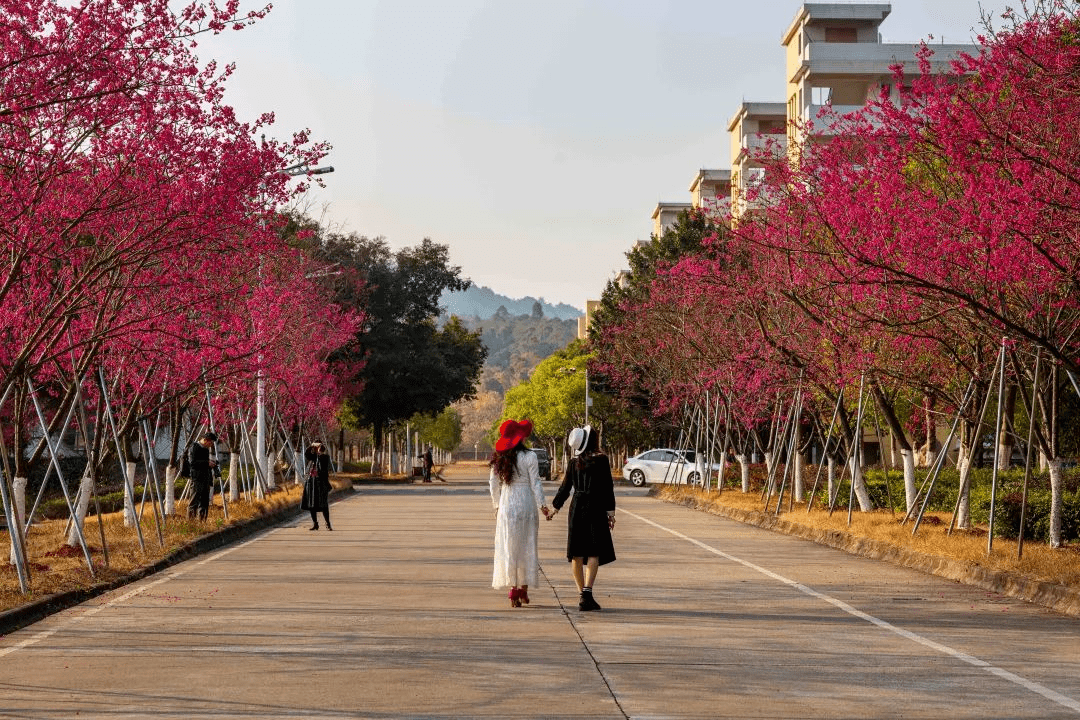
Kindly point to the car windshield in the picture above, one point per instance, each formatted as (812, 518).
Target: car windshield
(689, 455)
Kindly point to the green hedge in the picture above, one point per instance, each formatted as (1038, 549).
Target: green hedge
(1007, 507)
(884, 485)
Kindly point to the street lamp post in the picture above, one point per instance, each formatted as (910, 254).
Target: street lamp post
(261, 458)
(588, 400)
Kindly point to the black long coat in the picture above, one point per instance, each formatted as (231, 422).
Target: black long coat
(588, 533)
(199, 458)
(317, 485)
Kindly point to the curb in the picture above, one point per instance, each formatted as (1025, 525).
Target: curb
(20, 617)
(1059, 598)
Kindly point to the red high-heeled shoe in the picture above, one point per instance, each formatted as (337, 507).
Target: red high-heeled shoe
(515, 597)
(523, 596)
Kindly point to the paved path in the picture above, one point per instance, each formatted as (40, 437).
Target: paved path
(392, 616)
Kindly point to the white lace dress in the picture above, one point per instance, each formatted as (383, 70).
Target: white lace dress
(517, 527)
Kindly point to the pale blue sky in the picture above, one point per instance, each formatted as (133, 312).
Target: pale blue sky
(533, 138)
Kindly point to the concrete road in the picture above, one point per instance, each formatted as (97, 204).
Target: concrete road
(391, 615)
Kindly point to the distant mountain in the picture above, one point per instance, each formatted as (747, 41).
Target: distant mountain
(483, 303)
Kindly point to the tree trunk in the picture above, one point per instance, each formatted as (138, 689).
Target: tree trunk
(1006, 440)
(1057, 484)
(797, 490)
(907, 457)
(377, 448)
(129, 499)
(82, 503)
(234, 477)
(931, 435)
(18, 509)
(171, 472)
(963, 508)
(271, 468)
(744, 472)
(862, 494)
(899, 437)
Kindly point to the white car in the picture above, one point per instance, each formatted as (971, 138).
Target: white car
(661, 465)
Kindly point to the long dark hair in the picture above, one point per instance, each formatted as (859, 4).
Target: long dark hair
(505, 462)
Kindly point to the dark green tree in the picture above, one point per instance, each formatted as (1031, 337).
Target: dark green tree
(410, 364)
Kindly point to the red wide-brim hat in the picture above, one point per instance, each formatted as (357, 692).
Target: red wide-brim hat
(511, 432)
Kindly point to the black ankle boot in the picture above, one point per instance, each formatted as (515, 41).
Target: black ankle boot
(587, 603)
(314, 527)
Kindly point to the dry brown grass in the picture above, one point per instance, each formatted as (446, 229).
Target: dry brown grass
(1039, 562)
(55, 567)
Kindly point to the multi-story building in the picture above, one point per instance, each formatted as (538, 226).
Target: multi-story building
(665, 214)
(757, 128)
(711, 189)
(584, 320)
(836, 59)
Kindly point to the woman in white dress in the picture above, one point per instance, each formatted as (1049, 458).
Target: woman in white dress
(516, 493)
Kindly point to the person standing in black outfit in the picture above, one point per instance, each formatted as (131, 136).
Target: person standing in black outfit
(592, 512)
(317, 486)
(201, 476)
(428, 465)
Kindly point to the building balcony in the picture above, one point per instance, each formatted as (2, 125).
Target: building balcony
(869, 59)
(754, 145)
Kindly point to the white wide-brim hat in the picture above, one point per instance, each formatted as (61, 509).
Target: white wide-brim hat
(579, 437)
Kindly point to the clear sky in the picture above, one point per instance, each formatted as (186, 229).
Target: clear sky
(533, 138)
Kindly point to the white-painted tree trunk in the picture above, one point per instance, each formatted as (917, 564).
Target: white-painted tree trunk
(862, 495)
(907, 457)
(18, 503)
(170, 489)
(271, 469)
(1057, 485)
(129, 499)
(963, 509)
(744, 472)
(259, 480)
(82, 503)
(797, 470)
(770, 460)
(234, 477)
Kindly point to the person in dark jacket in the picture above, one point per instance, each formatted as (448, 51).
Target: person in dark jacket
(317, 486)
(201, 476)
(428, 465)
(592, 512)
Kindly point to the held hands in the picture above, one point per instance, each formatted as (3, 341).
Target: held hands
(611, 520)
(549, 514)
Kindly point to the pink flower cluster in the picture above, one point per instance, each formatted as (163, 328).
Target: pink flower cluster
(139, 221)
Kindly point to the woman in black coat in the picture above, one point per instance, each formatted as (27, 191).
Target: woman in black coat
(317, 486)
(592, 512)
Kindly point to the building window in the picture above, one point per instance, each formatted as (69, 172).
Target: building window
(792, 118)
(841, 34)
(821, 96)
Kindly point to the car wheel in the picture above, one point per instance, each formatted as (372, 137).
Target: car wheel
(693, 478)
(637, 478)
